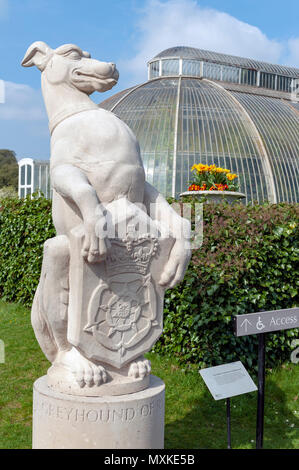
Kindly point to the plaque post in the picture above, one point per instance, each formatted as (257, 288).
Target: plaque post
(229, 446)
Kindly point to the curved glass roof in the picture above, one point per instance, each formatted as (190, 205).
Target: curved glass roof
(201, 54)
(278, 126)
(182, 120)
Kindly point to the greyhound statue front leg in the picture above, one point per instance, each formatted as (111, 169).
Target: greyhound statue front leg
(72, 184)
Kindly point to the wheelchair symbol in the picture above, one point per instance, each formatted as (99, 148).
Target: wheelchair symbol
(260, 325)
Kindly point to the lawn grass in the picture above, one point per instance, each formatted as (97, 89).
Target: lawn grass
(193, 419)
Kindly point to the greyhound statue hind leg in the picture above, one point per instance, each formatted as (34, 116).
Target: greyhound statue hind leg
(49, 309)
(99, 304)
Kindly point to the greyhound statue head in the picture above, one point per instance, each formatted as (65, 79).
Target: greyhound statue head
(69, 64)
(69, 76)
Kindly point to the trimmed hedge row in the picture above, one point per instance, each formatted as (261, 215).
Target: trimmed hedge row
(25, 225)
(248, 262)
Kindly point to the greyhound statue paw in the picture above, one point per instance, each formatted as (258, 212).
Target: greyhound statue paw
(85, 372)
(140, 368)
(96, 245)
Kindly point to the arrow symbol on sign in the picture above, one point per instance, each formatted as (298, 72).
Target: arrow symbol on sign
(246, 323)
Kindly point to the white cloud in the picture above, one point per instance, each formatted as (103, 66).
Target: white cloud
(293, 52)
(22, 103)
(2, 91)
(186, 23)
(23, 121)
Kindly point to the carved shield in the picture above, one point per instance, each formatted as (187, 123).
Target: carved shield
(116, 306)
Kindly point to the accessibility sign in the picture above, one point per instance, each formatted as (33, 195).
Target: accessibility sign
(263, 322)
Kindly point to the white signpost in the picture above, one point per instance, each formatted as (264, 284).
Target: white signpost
(264, 322)
(260, 323)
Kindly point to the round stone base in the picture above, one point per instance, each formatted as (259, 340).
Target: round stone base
(133, 421)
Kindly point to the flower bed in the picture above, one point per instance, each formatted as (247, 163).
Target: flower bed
(212, 178)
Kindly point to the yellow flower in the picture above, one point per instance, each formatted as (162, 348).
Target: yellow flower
(231, 176)
(201, 168)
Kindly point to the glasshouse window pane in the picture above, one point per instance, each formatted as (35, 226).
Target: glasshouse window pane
(28, 174)
(230, 74)
(284, 83)
(170, 67)
(212, 71)
(22, 191)
(49, 186)
(23, 174)
(154, 69)
(191, 67)
(267, 80)
(248, 77)
(43, 182)
(36, 177)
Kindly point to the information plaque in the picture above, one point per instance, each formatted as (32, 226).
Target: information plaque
(228, 380)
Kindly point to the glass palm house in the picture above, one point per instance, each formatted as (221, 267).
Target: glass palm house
(205, 107)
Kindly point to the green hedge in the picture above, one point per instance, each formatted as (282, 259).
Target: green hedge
(248, 262)
(25, 224)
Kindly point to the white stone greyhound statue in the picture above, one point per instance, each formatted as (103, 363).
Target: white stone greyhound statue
(99, 303)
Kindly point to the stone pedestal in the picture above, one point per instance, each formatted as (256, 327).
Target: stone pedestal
(133, 421)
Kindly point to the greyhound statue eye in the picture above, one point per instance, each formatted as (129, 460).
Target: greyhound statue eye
(74, 55)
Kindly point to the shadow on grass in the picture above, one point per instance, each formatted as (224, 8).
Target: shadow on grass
(205, 426)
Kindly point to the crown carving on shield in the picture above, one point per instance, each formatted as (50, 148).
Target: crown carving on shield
(132, 254)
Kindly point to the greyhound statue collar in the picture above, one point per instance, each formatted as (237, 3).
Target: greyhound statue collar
(70, 111)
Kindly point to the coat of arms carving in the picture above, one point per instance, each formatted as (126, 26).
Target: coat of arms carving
(123, 309)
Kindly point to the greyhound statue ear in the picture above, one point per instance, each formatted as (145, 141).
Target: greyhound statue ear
(39, 53)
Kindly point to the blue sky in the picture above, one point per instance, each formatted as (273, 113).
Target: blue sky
(128, 32)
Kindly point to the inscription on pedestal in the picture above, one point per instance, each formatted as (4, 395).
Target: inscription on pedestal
(104, 415)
